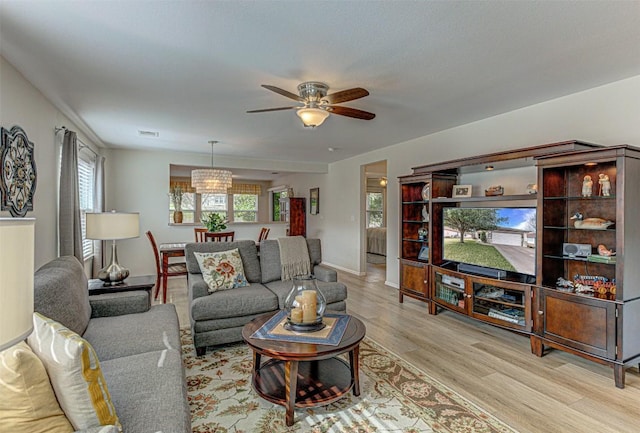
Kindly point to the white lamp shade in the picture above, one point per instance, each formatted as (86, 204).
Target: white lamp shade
(211, 181)
(16, 279)
(312, 116)
(113, 225)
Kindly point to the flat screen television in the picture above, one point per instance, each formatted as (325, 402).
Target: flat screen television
(491, 241)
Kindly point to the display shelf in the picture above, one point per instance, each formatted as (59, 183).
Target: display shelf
(517, 197)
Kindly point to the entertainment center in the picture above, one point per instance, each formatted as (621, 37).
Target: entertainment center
(478, 238)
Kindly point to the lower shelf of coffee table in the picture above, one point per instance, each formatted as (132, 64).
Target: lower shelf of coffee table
(319, 382)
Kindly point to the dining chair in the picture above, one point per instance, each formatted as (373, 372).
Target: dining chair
(219, 236)
(174, 269)
(264, 233)
(200, 231)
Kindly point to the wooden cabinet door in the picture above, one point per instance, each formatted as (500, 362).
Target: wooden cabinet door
(582, 323)
(297, 217)
(414, 279)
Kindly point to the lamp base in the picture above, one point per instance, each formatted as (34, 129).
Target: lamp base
(113, 274)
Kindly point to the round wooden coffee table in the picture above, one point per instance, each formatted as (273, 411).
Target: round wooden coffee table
(302, 374)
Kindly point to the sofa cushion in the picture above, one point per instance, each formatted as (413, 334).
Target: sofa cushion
(149, 392)
(270, 258)
(130, 334)
(243, 301)
(222, 270)
(27, 401)
(247, 249)
(74, 372)
(332, 292)
(61, 294)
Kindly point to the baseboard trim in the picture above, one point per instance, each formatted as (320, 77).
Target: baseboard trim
(340, 268)
(394, 285)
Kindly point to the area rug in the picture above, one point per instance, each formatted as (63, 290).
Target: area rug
(376, 259)
(394, 397)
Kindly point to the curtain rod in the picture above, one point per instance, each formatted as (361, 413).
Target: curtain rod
(82, 144)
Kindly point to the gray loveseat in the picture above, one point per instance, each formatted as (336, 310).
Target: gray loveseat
(138, 346)
(218, 318)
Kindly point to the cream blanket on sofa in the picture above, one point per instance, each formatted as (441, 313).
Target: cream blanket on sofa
(294, 257)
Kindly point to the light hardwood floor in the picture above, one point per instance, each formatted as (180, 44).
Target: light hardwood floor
(491, 367)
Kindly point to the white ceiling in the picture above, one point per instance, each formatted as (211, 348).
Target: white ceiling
(191, 69)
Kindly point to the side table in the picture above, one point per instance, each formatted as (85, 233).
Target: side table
(143, 282)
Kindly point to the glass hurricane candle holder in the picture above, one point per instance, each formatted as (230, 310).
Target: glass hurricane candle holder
(305, 305)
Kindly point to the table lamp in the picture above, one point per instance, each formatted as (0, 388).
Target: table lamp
(16, 280)
(111, 226)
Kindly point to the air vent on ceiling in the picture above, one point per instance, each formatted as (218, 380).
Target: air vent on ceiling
(148, 134)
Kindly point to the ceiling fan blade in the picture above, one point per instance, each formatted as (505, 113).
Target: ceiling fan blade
(283, 92)
(271, 109)
(346, 95)
(351, 112)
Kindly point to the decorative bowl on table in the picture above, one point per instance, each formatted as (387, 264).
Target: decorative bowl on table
(305, 305)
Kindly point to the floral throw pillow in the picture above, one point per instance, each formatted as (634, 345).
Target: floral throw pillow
(222, 270)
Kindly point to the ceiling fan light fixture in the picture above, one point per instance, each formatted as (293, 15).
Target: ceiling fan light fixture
(312, 117)
(211, 180)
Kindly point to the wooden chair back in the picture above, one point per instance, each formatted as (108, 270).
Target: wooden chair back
(174, 269)
(219, 236)
(156, 256)
(264, 233)
(200, 231)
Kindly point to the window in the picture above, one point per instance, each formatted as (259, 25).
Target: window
(245, 207)
(86, 189)
(375, 214)
(275, 200)
(211, 203)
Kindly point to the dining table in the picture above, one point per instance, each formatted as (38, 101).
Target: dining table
(167, 251)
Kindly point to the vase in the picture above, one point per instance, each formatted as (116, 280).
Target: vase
(177, 216)
(305, 305)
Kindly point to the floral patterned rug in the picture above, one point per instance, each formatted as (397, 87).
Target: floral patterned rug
(394, 397)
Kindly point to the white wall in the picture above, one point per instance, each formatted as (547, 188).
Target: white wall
(23, 105)
(606, 115)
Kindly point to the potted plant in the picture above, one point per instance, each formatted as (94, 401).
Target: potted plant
(215, 222)
(176, 198)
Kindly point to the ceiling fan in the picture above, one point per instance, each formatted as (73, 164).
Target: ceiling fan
(318, 105)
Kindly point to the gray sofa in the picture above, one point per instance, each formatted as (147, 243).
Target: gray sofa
(138, 346)
(218, 318)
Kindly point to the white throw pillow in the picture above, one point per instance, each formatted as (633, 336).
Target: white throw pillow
(222, 270)
(75, 374)
(27, 401)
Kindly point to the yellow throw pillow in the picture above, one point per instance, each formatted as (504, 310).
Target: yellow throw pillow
(222, 270)
(27, 401)
(74, 372)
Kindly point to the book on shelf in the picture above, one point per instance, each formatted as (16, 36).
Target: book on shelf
(512, 315)
(596, 258)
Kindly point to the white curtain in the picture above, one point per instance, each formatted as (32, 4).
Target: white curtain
(69, 225)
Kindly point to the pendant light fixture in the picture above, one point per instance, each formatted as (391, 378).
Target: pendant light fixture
(211, 180)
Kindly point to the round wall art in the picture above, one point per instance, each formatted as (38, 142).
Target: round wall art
(17, 172)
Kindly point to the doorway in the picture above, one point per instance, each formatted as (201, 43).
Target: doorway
(374, 219)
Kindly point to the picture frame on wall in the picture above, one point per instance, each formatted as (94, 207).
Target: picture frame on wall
(314, 201)
(461, 191)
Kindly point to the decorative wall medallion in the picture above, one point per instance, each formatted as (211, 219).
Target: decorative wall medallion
(17, 172)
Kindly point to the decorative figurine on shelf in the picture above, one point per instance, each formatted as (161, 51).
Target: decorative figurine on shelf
(425, 214)
(422, 233)
(587, 186)
(532, 188)
(590, 223)
(604, 251)
(494, 190)
(605, 185)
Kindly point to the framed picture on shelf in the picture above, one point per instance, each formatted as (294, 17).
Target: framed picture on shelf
(461, 191)
(424, 253)
(314, 201)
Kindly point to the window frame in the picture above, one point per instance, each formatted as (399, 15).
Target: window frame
(86, 172)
